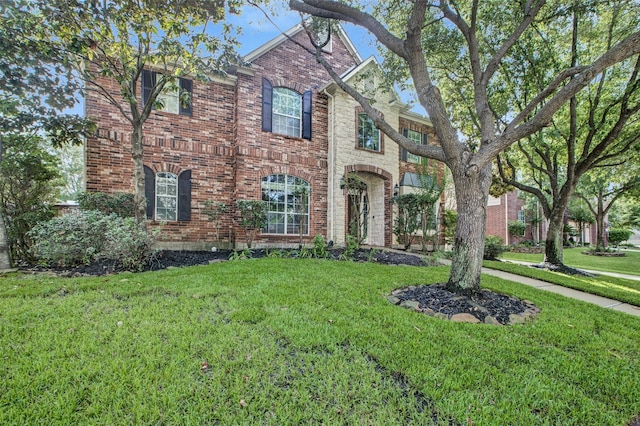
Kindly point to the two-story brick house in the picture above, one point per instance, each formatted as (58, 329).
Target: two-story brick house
(278, 130)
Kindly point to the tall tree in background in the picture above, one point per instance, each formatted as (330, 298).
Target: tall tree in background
(36, 84)
(598, 126)
(118, 39)
(601, 188)
(456, 55)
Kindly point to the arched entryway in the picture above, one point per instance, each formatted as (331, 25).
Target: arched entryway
(368, 205)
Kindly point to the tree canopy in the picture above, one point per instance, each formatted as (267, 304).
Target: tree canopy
(118, 39)
(458, 56)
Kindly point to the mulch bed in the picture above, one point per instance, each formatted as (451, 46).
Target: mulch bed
(433, 299)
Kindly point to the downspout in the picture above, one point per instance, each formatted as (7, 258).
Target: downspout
(331, 168)
(506, 219)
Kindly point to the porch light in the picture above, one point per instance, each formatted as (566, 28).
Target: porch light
(396, 190)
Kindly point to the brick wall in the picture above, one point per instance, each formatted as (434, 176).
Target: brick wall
(173, 143)
(222, 143)
(260, 153)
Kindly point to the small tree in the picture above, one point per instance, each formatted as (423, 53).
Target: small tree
(429, 193)
(581, 215)
(617, 236)
(450, 221)
(301, 206)
(215, 211)
(253, 217)
(407, 222)
(517, 228)
(28, 178)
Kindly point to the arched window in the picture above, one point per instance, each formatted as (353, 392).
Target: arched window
(166, 196)
(287, 199)
(286, 111)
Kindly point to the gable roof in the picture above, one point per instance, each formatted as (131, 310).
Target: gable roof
(281, 38)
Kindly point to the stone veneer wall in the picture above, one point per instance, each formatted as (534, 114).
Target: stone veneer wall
(374, 167)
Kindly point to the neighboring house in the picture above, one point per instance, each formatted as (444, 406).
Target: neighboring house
(278, 130)
(510, 207)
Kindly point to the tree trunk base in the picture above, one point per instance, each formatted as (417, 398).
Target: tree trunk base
(564, 269)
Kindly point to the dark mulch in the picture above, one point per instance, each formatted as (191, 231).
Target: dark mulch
(434, 297)
(175, 259)
(481, 305)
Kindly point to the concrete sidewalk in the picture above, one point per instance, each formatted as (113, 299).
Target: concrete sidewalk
(603, 302)
(610, 274)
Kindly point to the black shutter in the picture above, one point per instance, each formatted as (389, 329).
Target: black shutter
(425, 141)
(150, 191)
(184, 195)
(186, 85)
(306, 114)
(267, 100)
(148, 81)
(403, 152)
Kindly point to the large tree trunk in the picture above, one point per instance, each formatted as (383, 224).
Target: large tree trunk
(5, 258)
(472, 192)
(554, 240)
(139, 199)
(600, 213)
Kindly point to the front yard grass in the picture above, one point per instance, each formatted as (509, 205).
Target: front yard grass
(627, 264)
(603, 285)
(301, 341)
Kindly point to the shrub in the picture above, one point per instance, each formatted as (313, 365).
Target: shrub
(253, 217)
(517, 228)
(618, 235)
(72, 239)
(84, 236)
(129, 244)
(493, 247)
(320, 249)
(121, 204)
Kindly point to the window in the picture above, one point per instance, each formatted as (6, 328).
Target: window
(368, 133)
(287, 199)
(168, 195)
(418, 138)
(175, 98)
(521, 216)
(285, 111)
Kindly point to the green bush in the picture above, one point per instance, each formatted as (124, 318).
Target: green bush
(517, 228)
(320, 249)
(121, 204)
(85, 236)
(129, 243)
(493, 247)
(70, 240)
(618, 235)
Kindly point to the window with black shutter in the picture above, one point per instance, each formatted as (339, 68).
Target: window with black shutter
(176, 99)
(285, 111)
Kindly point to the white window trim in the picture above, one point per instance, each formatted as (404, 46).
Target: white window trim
(163, 177)
(288, 210)
(284, 91)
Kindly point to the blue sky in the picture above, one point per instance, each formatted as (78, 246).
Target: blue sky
(257, 29)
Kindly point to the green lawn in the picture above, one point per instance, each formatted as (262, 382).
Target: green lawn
(301, 341)
(620, 289)
(628, 264)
